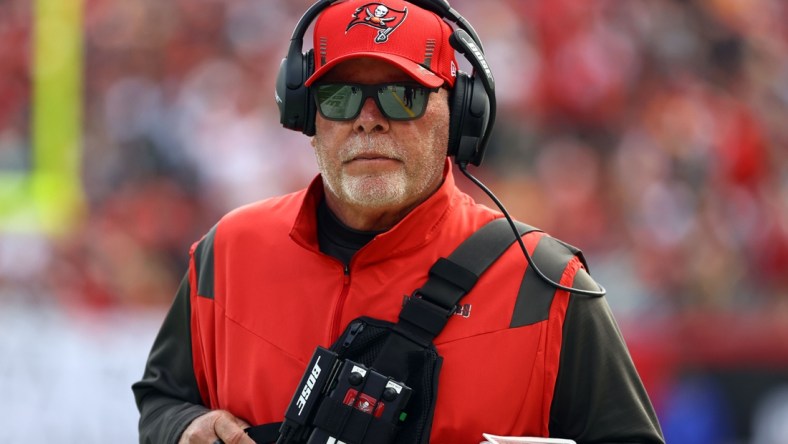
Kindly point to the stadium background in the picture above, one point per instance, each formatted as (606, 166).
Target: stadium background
(651, 133)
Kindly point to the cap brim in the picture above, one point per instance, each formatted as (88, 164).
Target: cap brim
(416, 71)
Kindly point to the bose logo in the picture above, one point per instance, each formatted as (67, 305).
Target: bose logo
(307, 390)
(479, 56)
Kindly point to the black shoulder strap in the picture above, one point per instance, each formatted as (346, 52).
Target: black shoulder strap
(426, 314)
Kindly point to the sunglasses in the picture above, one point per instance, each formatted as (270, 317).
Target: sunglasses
(397, 101)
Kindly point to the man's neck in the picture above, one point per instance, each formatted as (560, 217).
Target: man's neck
(336, 239)
(364, 218)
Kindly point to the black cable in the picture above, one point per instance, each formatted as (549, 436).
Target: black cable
(579, 291)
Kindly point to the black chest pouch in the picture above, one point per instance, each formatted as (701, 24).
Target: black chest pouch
(371, 386)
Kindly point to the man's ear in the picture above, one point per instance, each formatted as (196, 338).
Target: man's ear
(313, 142)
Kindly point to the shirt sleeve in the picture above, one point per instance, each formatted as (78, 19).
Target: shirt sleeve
(167, 395)
(599, 397)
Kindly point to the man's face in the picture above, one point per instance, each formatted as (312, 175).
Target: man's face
(372, 163)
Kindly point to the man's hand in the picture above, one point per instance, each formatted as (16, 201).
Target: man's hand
(216, 425)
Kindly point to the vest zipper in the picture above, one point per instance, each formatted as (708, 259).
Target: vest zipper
(335, 328)
(355, 329)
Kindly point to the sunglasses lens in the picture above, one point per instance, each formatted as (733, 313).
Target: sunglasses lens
(402, 102)
(339, 102)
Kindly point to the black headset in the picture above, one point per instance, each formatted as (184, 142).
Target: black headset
(471, 103)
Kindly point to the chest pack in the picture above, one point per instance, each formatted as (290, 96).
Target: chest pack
(378, 382)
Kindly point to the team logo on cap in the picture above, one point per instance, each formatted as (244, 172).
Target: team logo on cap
(379, 16)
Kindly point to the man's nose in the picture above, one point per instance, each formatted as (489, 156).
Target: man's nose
(371, 119)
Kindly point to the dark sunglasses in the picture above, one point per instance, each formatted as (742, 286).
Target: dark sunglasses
(397, 101)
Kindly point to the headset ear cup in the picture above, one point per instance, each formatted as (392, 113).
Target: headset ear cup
(457, 106)
(477, 121)
(296, 107)
(470, 115)
(282, 93)
(310, 108)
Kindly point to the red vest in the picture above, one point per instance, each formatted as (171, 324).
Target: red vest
(263, 296)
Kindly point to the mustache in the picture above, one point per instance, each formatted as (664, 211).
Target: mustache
(369, 146)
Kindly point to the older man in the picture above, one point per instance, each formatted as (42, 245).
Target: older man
(274, 279)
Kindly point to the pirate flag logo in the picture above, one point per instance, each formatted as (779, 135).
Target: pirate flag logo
(380, 17)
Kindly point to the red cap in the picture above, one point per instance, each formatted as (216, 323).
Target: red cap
(398, 32)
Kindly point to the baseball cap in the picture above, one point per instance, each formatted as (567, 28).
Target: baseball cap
(395, 31)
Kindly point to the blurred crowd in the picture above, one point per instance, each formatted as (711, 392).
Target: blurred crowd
(651, 134)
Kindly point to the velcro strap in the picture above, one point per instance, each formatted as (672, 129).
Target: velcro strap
(448, 282)
(332, 416)
(264, 433)
(422, 317)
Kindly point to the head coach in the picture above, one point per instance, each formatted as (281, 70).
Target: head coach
(353, 310)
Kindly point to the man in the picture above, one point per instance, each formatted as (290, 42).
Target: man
(277, 278)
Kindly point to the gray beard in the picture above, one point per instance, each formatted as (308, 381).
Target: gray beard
(378, 190)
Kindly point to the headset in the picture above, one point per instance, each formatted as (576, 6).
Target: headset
(471, 102)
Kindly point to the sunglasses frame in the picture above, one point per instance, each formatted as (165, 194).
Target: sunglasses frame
(372, 91)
